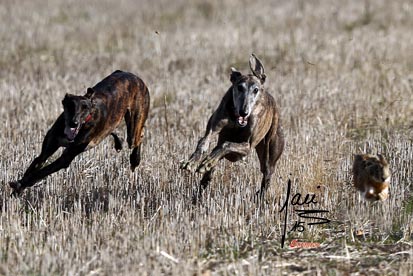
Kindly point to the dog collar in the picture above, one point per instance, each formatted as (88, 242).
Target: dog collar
(88, 118)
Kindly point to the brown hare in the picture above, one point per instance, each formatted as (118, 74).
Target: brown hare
(371, 176)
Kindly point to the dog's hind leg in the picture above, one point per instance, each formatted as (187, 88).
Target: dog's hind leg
(135, 121)
(134, 125)
(135, 157)
(263, 155)
(268, 153)
(118, 142)
(206, 179)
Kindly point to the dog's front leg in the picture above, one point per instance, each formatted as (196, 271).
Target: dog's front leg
(49, 146)
(214, 126)
(201, 148)
(62, 162)
(241, 149)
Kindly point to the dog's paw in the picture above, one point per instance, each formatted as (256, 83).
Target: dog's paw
(118, 148)
(383, 195)
(196, 198)
(117, 142)
(16, 187)
(187, 165)
(259, 199)
(192, 163)
(206, 165)
(259, 195)
(118, 145)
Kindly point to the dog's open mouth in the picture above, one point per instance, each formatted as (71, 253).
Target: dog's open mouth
(242, 121)
(71, 132)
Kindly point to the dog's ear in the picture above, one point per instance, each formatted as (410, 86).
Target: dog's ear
(89, 93)
(65, 98)
(257, 68)
(235, 75)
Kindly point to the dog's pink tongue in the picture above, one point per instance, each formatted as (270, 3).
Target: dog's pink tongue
(70, 133)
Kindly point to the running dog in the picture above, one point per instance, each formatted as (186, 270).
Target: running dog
(246, 118)
(87, 120)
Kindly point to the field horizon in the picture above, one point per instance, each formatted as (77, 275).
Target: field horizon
(340, 71)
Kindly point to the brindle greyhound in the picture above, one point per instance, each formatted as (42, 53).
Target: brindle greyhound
(87, 120)
(246, 118)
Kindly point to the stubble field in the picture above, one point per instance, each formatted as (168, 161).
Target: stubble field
(340, 71)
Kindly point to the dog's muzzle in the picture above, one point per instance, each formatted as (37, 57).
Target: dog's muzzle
(72, 132)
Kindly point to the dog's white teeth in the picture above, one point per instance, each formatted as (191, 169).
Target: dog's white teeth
(242, 121)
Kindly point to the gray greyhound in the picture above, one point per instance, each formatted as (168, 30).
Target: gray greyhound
(246, 118)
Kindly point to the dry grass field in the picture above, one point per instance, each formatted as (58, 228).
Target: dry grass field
(341, 72)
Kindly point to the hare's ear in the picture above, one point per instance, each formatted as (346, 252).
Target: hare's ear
(383, 160)
(235, 75)
(357, 157)
(89, 93)
(257, 68)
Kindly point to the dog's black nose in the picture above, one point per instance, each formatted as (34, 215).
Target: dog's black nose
(242, 113)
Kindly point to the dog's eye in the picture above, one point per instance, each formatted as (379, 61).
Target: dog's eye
(255, 91)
